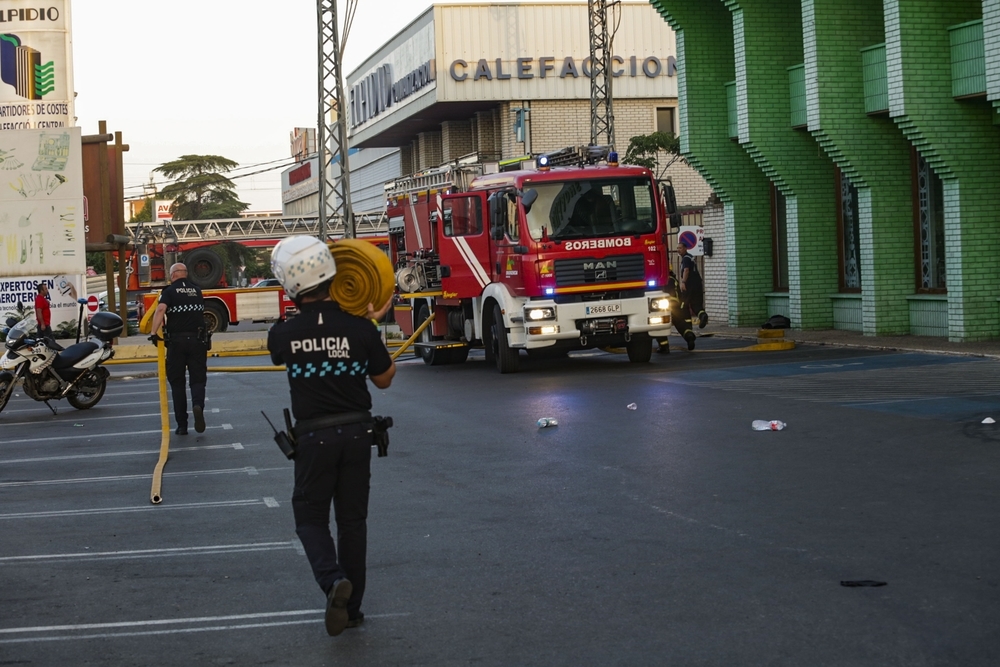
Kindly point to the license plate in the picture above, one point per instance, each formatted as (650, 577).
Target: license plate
(604, 309)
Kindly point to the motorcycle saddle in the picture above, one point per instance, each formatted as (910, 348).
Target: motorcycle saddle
(74, 354)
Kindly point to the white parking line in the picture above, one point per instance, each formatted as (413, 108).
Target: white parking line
(225, 427)
(150, 553)
(138, 508)
(150, 452)
(84, 420)
(172, 631)
(124, 478)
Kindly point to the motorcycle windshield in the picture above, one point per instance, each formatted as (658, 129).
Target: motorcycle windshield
(20, 330)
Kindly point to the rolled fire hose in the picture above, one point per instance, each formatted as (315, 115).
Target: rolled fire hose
(364, 276)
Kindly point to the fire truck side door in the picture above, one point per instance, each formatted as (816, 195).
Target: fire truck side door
(464, 247)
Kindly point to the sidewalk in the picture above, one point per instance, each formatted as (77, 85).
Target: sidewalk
(837, 338)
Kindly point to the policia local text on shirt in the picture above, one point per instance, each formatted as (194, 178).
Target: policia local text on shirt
(329, 354)
(187, 345)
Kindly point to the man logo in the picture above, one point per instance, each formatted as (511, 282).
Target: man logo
(21, 67)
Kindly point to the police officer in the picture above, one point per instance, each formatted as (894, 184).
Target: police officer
(187, 345)
(329, 354)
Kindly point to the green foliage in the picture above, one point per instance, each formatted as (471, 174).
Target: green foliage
(201, 190)
(96, 260)
(648, 150)
(145, 214)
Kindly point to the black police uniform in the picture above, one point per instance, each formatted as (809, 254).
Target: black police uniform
(694, 293)
(329, 354)
(186, 347)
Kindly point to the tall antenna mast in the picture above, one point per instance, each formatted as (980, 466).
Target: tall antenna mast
(602, 116)
(331, 134)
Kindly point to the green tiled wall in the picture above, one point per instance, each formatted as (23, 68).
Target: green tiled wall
(968, 60)
(928, 315)
(847, 312)
(960, 141)
(876, 80)
(797, 95)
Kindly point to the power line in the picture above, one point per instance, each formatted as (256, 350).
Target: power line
(232, 178)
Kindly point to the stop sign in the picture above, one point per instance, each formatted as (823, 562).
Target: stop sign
(92, 304)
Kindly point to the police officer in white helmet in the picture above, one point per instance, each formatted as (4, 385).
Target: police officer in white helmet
(329, 354)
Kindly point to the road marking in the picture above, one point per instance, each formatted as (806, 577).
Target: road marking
(154, 452)
(240, 626)
(129, 510)
(270, 502)
(226, 427)
(148, 553)
(123, 478)
(82, 420)
(163, 621)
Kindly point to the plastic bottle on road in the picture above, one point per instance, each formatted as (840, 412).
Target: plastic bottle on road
(547, 421)
(773, 425)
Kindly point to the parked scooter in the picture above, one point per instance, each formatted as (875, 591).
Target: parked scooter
(75, 373)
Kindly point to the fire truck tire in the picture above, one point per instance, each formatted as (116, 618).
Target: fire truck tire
(506, 357)
(204, 267)
(640, 349)
(216, 317)
(423, 312)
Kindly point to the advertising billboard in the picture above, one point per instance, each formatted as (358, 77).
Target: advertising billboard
(41, 203)
(36, 71)
(64, 290)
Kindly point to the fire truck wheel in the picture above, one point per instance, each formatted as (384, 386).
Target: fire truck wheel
(506, 356)
(204, 267)
(423, 312)
(216, 318)
(640, 349)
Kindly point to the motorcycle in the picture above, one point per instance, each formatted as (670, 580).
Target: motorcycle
(75, 373)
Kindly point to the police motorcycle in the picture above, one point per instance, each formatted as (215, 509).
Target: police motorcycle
(75, 373)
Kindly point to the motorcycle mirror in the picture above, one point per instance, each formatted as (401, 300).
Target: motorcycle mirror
(11, 321)
(81, 301)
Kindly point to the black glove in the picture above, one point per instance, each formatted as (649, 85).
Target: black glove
(154, 339)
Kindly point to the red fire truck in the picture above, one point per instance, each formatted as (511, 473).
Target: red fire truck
(546, 259)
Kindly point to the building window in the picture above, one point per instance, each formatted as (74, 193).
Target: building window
(779, 240)
(928, 214)
(849, 233)
(665, 119)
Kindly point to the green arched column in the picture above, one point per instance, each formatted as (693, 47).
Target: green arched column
(705, 65)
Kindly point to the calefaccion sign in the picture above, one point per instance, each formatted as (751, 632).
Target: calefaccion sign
(550, 66)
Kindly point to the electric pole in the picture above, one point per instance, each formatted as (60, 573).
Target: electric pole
(602, 116)
(331, 132)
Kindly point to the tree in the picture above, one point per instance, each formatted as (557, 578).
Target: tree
(647, 150)
(201, 190)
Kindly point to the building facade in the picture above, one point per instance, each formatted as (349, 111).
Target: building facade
(855, 147)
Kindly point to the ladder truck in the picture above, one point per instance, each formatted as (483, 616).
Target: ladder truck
(565, 253)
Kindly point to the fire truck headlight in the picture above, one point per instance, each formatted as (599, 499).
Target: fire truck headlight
(659, 304)
(658, 319)
(543, 331)
(536, 314)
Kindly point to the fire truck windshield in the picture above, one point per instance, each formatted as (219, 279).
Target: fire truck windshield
(592, 208)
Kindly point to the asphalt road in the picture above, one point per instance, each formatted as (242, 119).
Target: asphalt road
(671, 534)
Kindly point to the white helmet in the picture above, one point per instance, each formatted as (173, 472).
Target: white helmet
(301, 263)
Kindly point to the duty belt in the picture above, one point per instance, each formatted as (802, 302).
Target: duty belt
(319, 423)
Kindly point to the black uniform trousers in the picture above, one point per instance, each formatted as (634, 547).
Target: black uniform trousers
(186, 354)
(334, 464)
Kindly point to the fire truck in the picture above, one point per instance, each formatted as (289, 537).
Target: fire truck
(160, 245)
(564, 253)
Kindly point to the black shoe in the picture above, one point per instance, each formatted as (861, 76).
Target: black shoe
(702, 319)
(690, 338)
(336, 607)
(199, 419)
(356, 621)
(182, 429)
(664, 347)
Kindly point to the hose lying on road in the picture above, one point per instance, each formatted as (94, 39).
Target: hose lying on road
(364, 276)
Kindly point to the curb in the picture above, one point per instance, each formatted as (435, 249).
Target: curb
(131, 352)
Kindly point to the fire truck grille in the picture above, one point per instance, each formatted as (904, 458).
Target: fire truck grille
(586, 270)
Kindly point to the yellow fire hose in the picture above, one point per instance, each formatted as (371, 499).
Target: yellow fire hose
(412, 339)
(364, 276)
(161, 363)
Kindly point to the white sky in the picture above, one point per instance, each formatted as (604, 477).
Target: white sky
(223, 77)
